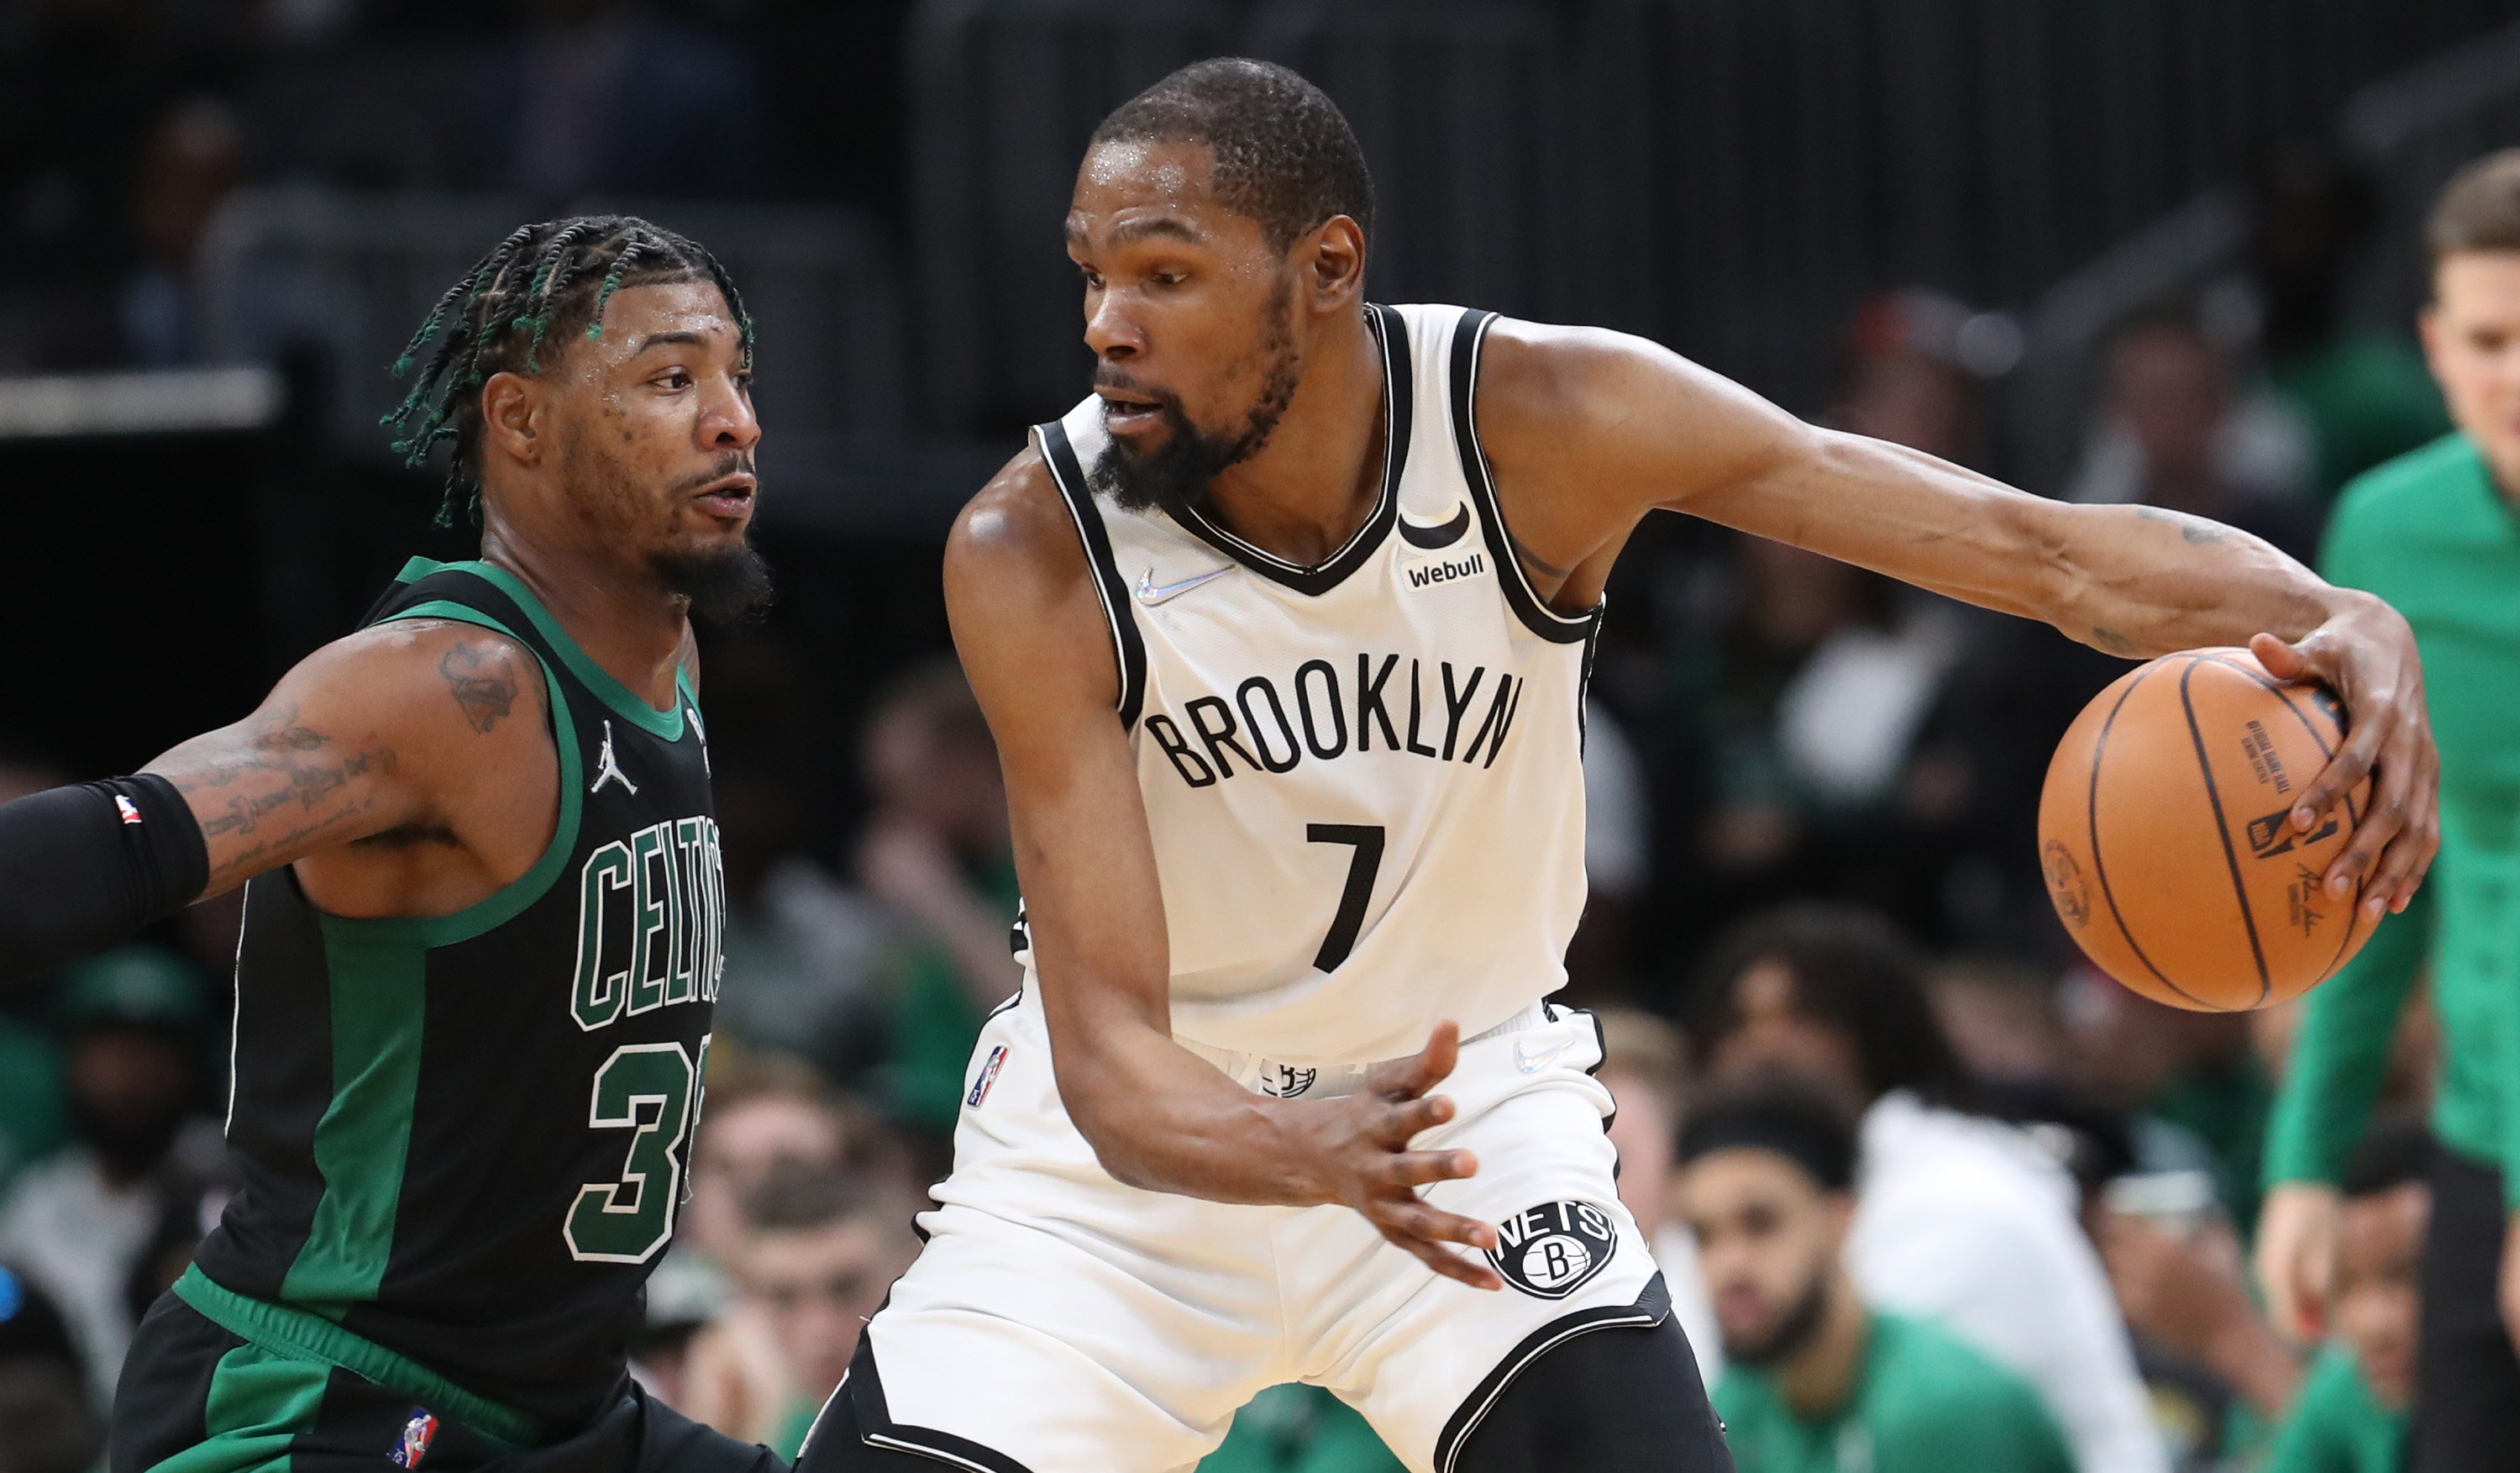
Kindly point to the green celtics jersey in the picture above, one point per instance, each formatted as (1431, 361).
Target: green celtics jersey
(464, 1138)
(1922, 1403)
(2431, 533)
(2334, 1426)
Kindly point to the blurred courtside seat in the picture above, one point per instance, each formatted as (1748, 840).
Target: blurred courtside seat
(343, 277)
(1003, 96)
(1459, 107)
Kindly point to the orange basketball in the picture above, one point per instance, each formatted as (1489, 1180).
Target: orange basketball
(2166, 834)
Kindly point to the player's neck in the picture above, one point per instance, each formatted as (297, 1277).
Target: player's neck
(1818, 1382)
(622, 616)
(1316, 481)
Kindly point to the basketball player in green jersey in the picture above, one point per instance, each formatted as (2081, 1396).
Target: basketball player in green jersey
(2437, 533)
(483, 911)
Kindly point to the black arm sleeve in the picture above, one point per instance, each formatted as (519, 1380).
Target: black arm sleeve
(82, 868)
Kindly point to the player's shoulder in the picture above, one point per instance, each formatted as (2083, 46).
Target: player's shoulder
(1551, 368)
(1018, 522)
(2426, 479)
(419, 675)
(1941, 1395)
(1929, 1367)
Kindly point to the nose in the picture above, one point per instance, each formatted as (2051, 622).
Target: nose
(1109, 329)
(728, 422)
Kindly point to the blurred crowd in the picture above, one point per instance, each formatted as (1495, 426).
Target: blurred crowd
(1925, 1185)
(131, 121)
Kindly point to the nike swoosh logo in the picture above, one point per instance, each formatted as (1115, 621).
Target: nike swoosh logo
(1151, 595)
(1529, 1061)
(1433, 537)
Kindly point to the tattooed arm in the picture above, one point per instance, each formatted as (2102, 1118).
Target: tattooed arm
(1588, 431)
(407, 770)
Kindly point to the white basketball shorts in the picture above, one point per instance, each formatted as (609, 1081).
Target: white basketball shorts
(1062, 1322)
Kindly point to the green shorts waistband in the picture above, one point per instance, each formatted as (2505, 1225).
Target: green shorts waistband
(302, 1336)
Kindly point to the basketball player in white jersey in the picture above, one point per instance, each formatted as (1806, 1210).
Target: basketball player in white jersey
(1338, 570)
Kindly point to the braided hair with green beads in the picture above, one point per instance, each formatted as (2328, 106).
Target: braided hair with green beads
(521, 300)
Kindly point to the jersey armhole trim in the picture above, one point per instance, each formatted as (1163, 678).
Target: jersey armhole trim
(1399, 412)
(1650, 1310)
(599, 681)
(1469, 339)
(1128, 646)
(509, 901)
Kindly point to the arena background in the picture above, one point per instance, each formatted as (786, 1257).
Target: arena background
(219, 219)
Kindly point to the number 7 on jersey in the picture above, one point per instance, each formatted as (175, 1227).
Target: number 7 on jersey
(1360, 870)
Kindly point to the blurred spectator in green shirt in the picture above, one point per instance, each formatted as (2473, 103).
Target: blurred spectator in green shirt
(938, 854)
(2362, 396)
(2351, 1415)
(1817, 1383)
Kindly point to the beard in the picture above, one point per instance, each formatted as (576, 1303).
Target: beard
(1792, 1333)
(130, 1143)
(1180, 469)
(727, 585)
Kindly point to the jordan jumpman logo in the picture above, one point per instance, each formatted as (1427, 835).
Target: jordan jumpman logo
(608, 768)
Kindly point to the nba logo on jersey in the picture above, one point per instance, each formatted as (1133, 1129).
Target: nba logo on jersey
(988, 1076)
(417, 1435)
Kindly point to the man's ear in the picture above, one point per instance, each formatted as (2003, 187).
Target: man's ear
(1331, 262)
(2428, 331)
(511, 418)
(1838, 1221)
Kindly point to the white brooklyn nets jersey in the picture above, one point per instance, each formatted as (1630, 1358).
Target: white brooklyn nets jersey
(1364, 779)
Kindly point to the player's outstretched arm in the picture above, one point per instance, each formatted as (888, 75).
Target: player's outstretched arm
(1588, 431)
(1038, 653)
(417, 731)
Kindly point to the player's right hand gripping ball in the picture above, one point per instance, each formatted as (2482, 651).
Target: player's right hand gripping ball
(2167, 839)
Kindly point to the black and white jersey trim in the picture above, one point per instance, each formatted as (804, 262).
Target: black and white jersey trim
(1469, 337)
(1391, 333)
(864, 1387)
(1649, 1310)
(1128, 646)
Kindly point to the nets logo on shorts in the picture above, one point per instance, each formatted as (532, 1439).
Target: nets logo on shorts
(1554, 1249)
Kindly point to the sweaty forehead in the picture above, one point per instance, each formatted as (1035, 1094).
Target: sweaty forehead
(639, 312)
(1143, 188)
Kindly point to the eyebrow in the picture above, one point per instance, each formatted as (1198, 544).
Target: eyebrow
(1133, 230)
(677, 336)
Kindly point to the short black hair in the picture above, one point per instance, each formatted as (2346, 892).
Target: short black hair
(2479, 209)
(1284, 155)
(539, 285)
(2395, 1151)
(1853, 971)
(799, 1196)
(1793, 1115)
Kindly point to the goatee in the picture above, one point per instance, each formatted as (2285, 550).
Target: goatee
(1792, 1333)
(727, 585)
(1178, 470)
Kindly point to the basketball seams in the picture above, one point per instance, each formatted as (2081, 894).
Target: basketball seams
(2100, 865)
(2222, 828)
(2282, 691)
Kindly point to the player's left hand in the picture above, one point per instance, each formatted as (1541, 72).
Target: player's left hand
(2365, 653)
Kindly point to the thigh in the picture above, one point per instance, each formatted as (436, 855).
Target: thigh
(196, 1398)
(1059, 1319)
(841, 1440)
(1427, 1358)
(1622, 1401)
(2467, 1394)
